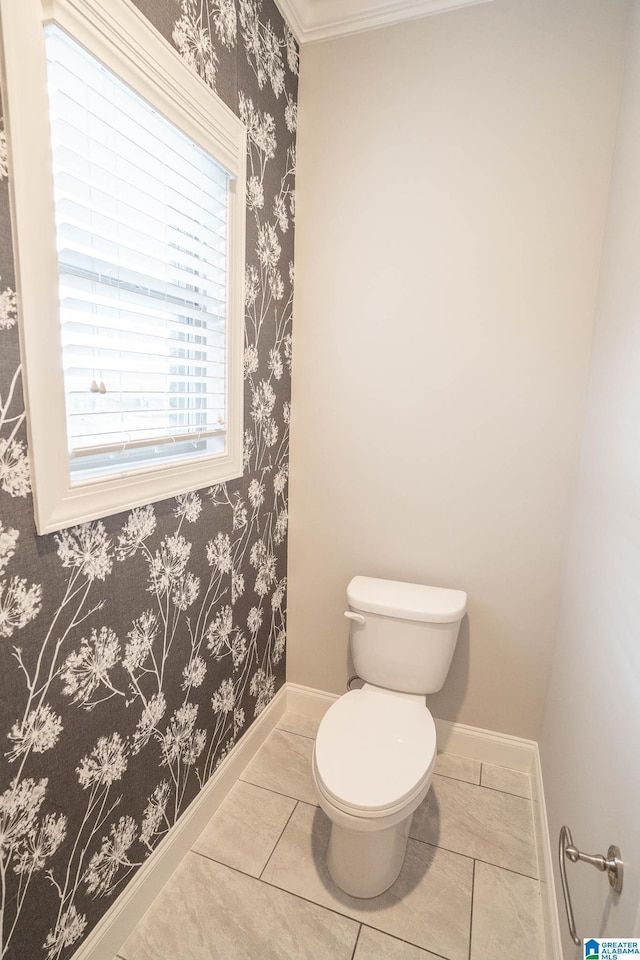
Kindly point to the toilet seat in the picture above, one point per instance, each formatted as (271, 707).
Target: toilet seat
(375, 751)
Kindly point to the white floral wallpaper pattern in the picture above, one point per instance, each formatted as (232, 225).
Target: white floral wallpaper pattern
(135, 651)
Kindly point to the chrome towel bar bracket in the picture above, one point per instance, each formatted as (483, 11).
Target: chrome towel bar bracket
(612, 863)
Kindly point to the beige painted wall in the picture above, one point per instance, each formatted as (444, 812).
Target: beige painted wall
(451, 191)
(592, 719)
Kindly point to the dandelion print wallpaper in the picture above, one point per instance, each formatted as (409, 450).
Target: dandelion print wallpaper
(135, 651)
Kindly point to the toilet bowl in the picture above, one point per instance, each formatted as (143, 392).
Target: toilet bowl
(376, 746)
(372, 767)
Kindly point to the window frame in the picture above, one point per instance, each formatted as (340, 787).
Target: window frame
(117, 34)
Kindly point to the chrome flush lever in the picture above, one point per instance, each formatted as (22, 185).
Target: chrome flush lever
(357, 617)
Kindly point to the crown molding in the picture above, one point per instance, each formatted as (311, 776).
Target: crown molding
(313, 20)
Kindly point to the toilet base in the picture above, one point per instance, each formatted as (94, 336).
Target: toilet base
(365, 863)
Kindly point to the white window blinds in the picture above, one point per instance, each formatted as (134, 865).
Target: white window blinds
(142, 234)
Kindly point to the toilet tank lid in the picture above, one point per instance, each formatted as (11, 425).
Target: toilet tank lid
(407, 601)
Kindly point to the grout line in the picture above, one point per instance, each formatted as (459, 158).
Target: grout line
(279, 839)
(244, 873)
(305, 736)
(508, 793)
(275, 886)
(207, 856)
(435, 846)
(466, 856)
(291, 733)
(394, 936)
(473, 890)
(501, 766)
(278, 793)
(346, 916)
(298, 896)
(259, 786)
(444, 776)
(518, 873)
(448, 776)
(355, 946)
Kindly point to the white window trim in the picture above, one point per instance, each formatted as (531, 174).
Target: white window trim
(123, 39)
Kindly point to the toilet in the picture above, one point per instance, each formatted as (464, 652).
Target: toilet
(376, 746)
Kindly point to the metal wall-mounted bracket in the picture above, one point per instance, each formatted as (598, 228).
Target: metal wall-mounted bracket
(612, 864)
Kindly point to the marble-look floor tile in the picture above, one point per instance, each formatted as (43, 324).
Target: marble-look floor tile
(283, 764)
(507, 915)
(246, 827)
(509, 781)
(209, 912)
(373, 945)
(481, 823)
(429, 905)
(450, 765)
(296, 723)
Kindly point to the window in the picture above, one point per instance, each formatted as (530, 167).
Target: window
(141, 231)
(128, 197)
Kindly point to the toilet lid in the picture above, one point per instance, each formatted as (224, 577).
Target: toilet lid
(374, 748)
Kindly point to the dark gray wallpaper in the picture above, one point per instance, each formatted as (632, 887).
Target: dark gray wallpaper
(135, 651)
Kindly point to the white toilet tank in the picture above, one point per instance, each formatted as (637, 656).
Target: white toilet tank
(403, 634)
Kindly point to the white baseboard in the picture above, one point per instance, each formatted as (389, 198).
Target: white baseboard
(109, 934)
(485, 745)
(309, 702)
(471, 742)
(553, 943)
(488, 747)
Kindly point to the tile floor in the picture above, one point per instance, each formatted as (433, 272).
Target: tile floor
(255, 885)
